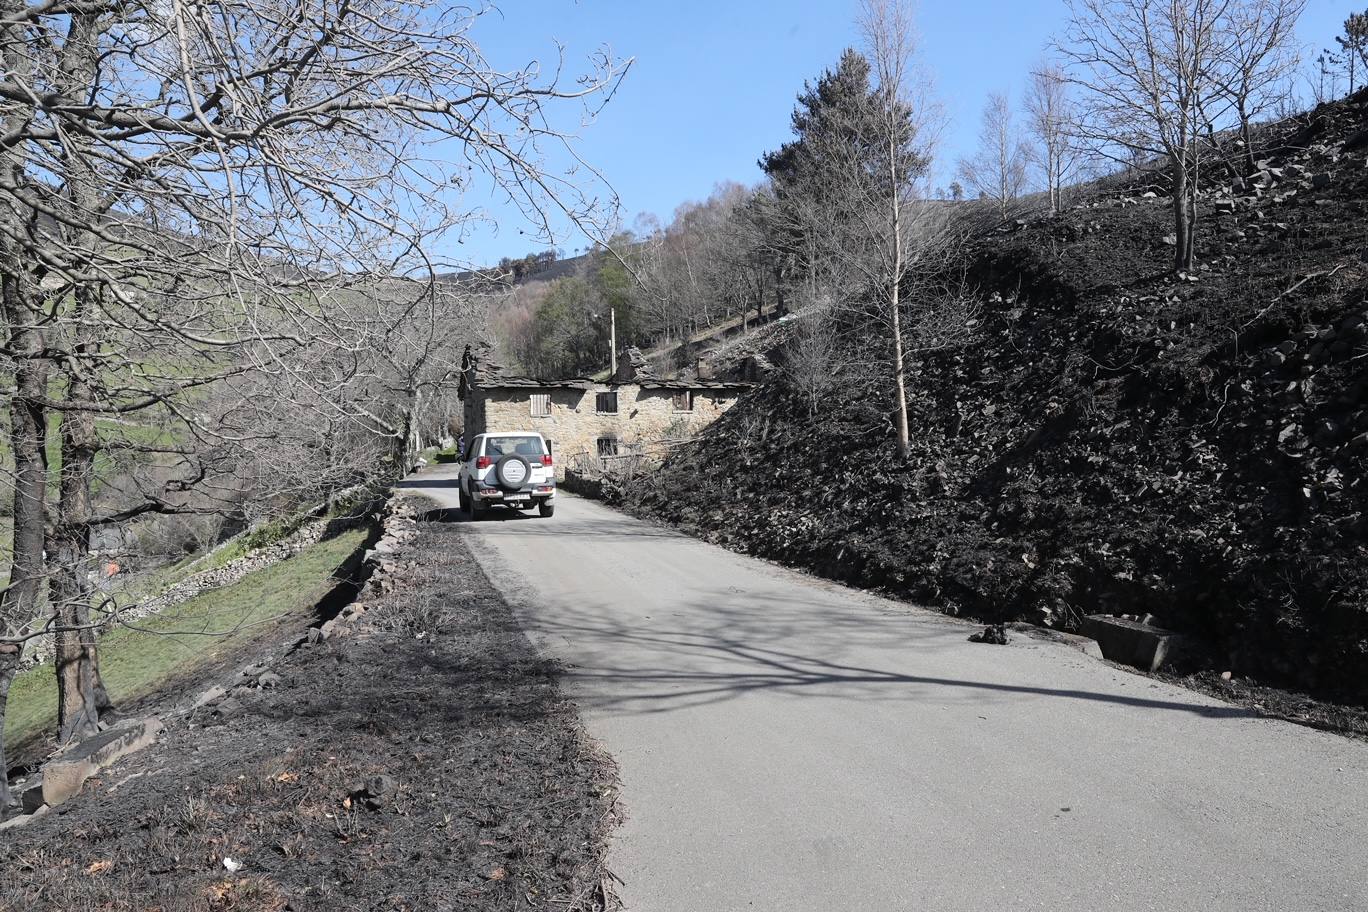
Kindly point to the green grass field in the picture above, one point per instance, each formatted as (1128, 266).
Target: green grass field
(173, 644)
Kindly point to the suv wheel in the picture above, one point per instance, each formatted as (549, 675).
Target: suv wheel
(512, 472)
(464, 499)
(545, 508)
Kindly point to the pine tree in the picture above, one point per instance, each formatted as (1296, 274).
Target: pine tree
(830, 120)
(839, 155)
(1353, 46)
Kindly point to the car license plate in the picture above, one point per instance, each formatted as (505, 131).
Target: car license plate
(518, 497)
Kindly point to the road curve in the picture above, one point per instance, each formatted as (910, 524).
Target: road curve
(789, 744)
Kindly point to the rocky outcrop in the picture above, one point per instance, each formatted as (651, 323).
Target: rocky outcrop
(62, 777)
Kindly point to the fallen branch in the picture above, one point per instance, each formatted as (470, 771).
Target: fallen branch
(1304, 279)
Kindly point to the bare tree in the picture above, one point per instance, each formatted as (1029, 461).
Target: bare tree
(902, 227)
(811, 354)
(1150, 71)
(998, 170)
(750, 261)
(194, 193)
(396, 346)
(711, 262)
(1262, 57)
(1051, 121)
(1324, 85)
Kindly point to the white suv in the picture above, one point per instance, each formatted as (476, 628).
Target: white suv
(511, 468)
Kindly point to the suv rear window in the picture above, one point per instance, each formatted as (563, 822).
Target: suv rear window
(514, 444)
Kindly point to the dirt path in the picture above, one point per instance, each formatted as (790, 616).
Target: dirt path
(786, 743)
(427, 763)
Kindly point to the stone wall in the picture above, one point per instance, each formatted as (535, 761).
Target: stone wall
(40, 649)
(644, 418)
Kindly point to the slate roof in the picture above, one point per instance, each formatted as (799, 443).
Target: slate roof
(498, 381)
(488, 374)
(696, 384)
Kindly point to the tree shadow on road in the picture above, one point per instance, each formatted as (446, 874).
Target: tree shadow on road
(787, 644)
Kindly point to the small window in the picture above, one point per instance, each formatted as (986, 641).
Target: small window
(606, 403)
(541, 405)
(607, 446)
(683, 401)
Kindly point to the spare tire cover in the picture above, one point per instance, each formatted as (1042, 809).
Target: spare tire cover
(512, 471)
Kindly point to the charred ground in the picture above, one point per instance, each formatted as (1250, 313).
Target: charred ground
(428, 762)
(1115, 438)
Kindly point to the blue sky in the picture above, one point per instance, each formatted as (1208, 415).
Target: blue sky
(714, 82)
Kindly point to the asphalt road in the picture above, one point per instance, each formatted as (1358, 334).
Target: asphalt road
(788, 744)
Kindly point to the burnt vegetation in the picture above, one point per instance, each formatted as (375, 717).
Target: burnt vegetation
(428, 761)
(1115, 437)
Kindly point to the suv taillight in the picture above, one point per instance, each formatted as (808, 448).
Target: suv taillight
(483, 462)
(546, 460)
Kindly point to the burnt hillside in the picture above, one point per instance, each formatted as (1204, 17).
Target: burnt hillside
(1116, 438)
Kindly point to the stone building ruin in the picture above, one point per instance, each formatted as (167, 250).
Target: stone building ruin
(594, 426)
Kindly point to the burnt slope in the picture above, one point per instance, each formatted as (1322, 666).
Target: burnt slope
(1116, 438)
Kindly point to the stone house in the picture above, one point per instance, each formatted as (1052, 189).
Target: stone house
(594, 425)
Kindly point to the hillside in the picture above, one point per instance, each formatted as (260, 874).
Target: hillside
(548, 271)
(1115, 438)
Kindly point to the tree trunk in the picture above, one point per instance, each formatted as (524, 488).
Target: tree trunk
(9, 664)
(80, 691)
(1051, 179)
(895, 304)
(28, 444)
(900, 379)
(1182, 249)
(779, 308)
(895, 287)
(1191, 246)
(28, 428)
(1058, 180)
(1246, 134)
(28, 440)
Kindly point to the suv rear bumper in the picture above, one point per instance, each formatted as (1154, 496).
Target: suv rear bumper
(533, 493)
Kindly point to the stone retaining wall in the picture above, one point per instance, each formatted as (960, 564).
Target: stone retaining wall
(398, 525)
(40, 649)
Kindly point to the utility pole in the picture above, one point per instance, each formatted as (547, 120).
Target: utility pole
(612, 339)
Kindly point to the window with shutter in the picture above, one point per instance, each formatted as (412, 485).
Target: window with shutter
(541, 405)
